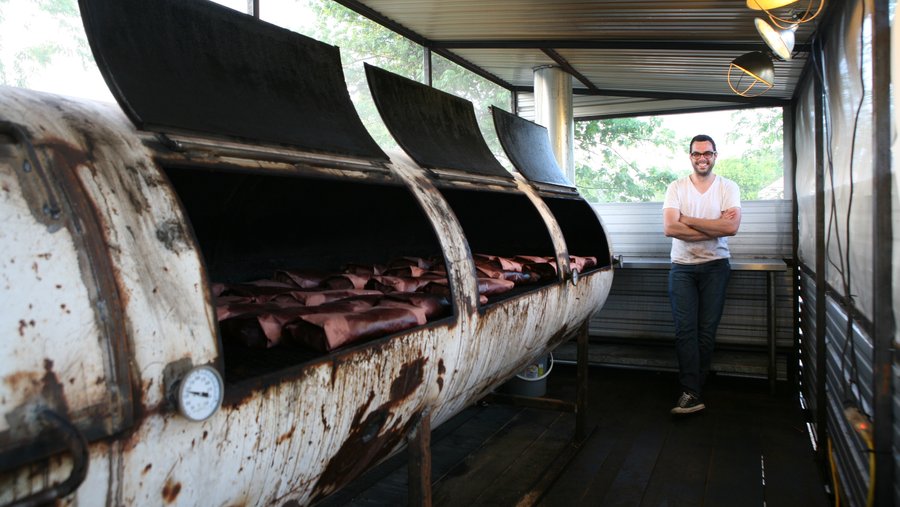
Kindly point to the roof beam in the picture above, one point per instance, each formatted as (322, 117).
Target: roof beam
(390, 24)
(707, 97)
(655, 45)
(566, 66)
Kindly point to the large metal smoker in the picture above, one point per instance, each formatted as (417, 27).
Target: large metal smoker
(239, 152)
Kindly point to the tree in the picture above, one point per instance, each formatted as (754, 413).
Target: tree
(631, 159)
(610, 168)
(761, 166)
(22, 57)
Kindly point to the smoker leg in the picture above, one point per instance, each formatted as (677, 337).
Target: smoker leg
(581, 392)
(419, 449)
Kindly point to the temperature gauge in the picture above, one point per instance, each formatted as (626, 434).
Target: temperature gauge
(199, 394)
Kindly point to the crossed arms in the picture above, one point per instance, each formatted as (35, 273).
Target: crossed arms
(685, 228)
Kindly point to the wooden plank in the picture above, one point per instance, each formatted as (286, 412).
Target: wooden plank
(479, 471)
(735, 472)
(680, 474)
(513, 485)
(571, 486)
(792, 474)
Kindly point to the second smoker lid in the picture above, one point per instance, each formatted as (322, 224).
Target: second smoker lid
(527, 145)
(436, 129)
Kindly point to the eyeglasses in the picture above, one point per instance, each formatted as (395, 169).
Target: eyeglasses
(706, 154)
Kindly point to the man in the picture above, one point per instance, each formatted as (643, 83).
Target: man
(700, 212)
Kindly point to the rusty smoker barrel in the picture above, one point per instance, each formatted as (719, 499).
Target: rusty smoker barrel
(234, 152)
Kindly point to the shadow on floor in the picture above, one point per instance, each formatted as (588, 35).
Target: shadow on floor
(747, 448)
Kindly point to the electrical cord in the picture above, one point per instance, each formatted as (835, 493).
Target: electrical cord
(849, 380)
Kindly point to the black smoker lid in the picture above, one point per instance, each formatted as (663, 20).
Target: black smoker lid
(527, 145)
(437, 129)
(192, 66)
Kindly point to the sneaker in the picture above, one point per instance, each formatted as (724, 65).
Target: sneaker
(688, 404)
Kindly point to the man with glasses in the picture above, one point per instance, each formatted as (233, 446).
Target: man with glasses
(700, 212)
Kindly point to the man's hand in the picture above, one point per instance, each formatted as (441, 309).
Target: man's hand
(726, 225)
(675, 227)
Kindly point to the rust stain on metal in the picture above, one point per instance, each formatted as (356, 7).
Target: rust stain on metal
(21, 380)
(410, 378)
(170, 491)
(324, 419)
(70, 207)
(147, 468)
(24, 325)
(171, 234)
(285, 436)
(369, 441)
(366, 444)
(441, 370)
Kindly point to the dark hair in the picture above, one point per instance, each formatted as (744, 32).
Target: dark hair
(699, 139)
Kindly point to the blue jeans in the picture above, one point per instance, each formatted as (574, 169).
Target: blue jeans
(697, 294)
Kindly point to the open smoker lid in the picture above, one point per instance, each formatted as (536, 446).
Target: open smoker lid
(527, 145)
(436, 129)
(192, 66)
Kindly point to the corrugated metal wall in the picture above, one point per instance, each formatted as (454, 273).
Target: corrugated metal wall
(638, 310)
(835, 143)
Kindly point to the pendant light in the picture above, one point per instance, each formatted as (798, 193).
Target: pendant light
(781, 42)
(751, 74)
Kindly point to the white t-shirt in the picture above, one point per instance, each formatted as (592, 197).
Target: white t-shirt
(721, 195)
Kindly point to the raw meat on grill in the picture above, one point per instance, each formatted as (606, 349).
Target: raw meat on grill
(582, 263)
(386, 283)
(435, 305)
(346, 281)
(327, 331)
(400, 262)
(325, 310)
(406, 271)
(318, 297)
(301, 278)
(365, 269)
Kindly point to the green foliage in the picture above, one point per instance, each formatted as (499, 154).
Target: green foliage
(609, 169)
(634, 159)
(752, 174)
(66, 40)
(59, 7)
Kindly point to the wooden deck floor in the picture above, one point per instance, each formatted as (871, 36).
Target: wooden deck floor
(748, 448)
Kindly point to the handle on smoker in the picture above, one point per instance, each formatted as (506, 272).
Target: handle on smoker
(76, 444)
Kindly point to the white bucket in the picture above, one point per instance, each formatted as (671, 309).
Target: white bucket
(532, 381)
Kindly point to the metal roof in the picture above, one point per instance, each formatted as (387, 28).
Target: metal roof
(626, 56)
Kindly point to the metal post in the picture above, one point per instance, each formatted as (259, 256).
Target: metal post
(770, 328)
(426, 67)
(821, 359)
(582, 388)
(882, 239)
(553, 109)
(419, 465)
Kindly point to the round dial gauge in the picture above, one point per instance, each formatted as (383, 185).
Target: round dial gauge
(199, 393)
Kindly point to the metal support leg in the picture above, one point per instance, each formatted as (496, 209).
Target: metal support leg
(770, 328)
(419, 449)
(581, 389)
